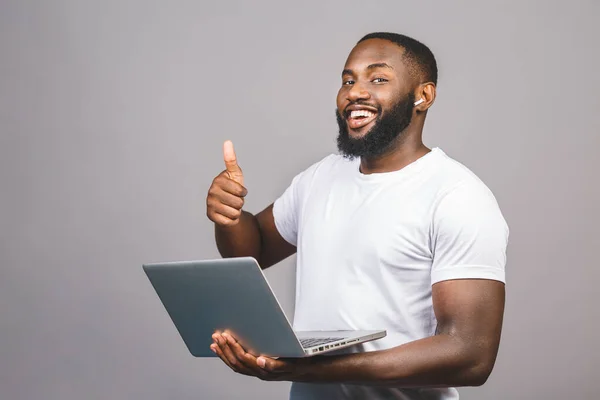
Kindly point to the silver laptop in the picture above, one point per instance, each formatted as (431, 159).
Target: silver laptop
(232, 294)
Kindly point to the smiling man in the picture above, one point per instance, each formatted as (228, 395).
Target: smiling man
(389, 235)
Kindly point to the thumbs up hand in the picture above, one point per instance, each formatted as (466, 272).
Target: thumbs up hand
(226, 194)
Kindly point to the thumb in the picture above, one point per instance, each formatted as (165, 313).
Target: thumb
(233, 169)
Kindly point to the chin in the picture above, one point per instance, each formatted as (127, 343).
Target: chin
(359, 133)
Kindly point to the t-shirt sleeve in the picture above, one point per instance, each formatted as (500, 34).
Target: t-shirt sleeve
(287, 209)
(469, 235)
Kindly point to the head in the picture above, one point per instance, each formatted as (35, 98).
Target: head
(384, 75)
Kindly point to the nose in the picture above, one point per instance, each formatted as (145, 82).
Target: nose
(357, 92)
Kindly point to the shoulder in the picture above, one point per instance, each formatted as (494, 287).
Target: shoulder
(456, 181)
(463, 198)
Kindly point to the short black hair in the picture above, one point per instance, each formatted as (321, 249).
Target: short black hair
(419, 59)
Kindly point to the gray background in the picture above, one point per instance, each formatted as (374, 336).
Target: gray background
(112, 117)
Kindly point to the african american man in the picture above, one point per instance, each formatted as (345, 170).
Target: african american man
(389, 234)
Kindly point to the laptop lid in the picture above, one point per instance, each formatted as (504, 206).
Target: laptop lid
(202, 297)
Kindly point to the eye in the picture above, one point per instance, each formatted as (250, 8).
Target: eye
(347, 82)
(379, 80)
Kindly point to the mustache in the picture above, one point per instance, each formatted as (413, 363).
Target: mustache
(363, 103)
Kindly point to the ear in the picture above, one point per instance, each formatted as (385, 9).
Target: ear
(425, 92)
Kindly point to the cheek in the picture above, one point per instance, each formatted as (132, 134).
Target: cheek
(384, 95)
(386, 101)
(341, 98)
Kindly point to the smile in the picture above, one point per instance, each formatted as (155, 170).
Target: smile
(357, 118)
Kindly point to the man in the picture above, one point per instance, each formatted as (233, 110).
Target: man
(389, 235)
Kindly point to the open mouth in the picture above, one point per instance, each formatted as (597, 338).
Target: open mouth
(357, 118)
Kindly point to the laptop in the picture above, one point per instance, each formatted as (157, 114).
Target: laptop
(232, 294)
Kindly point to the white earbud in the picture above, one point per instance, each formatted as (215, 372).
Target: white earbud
(419, 102)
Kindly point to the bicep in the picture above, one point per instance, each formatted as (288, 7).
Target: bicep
(471, 311)
(274, 248)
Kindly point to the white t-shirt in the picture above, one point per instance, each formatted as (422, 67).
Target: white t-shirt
(369, 248)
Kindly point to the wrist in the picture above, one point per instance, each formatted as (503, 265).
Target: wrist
(304, 369)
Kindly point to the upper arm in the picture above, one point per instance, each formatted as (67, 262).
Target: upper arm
(471, 311)
(274, 247)
(470, 238)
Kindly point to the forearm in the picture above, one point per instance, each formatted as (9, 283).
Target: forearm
(240, 240)
(438, 361)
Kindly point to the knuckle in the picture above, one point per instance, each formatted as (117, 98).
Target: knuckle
(222, 221)
(212, 191)
(218, 182)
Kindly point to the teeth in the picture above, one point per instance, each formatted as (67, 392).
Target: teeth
(361, 113)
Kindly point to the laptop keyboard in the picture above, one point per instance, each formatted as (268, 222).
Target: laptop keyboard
(311, 342)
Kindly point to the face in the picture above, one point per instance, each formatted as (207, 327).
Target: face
(375, 102)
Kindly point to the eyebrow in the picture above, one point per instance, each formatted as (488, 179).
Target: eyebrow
(372, 66)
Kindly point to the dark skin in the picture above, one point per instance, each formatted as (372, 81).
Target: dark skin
(469, 311)
(375, 74)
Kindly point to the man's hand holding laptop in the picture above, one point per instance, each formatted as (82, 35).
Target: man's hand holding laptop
(265, 368)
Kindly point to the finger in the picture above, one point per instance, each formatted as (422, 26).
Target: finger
(230, 157)
(248, 359)
(217, 350)
(271, 365)
(227, 198)
(228, 353)
(222, 220)
(235, 368)
(218, 346)
(245, 358)
(226, 211)
(234, 170)
(227, 184)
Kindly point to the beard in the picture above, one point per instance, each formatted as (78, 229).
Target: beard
(388, 127)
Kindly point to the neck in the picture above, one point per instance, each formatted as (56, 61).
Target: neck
(407, 149)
